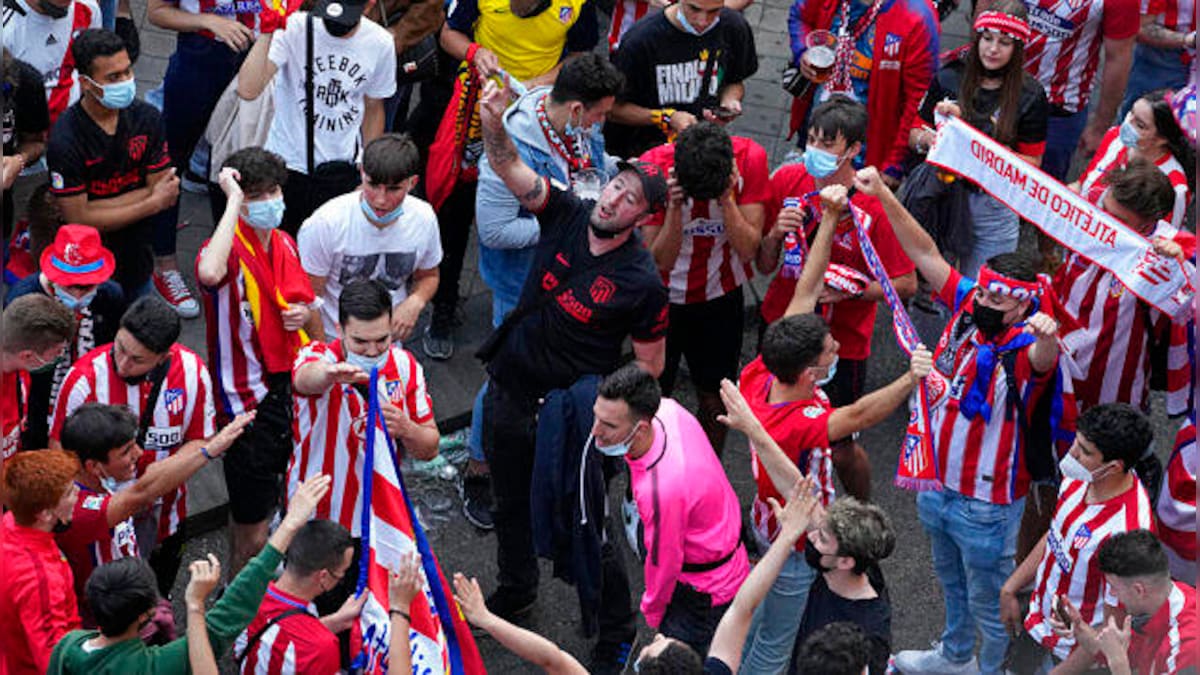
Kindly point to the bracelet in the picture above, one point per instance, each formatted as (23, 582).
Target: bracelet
(204, 451)
(471, 50)
(661, 118)
(392, 612)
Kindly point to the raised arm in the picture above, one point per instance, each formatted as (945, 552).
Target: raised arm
(257, 70)
(1118, 58)
(782, 471)
(916, 242)
(834, 199)
(531, 189)
(204, 577)
(875, 407)
(214, 259)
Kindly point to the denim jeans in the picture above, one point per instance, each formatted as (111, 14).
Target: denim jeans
(773, 629)
(1153, 68)
(973, 547)
(1062, 136)
(996, 229)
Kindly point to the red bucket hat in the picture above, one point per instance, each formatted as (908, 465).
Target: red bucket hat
(77, 258)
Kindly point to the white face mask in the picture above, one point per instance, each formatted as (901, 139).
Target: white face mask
(829, 373)
(618, 449)
(1073, 469)
(366, 362)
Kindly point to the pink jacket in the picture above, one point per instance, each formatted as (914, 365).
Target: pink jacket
(690, 513)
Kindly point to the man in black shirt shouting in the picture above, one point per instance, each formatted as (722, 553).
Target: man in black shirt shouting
(591, 285)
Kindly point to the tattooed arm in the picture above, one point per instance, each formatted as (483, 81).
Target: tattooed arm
(1154, 34)
(530, 189)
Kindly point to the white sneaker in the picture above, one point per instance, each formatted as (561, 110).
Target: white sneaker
(931, 662)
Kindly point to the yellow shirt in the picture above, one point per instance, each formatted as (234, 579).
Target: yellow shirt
(529, 47)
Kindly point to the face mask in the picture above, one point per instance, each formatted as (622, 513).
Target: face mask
(52, 10)
(813, 557)
(1073, 469)
(989, 321)
(46, 367)
(618, 449)
(607, 234)
(266, 214)
(110, 484)
(366, 362)
(380, 220)
(689, 28)
(829, 373)
(60, 527)
(338, 30)
(1128, 134)
(820, 163)
(1138, 622)
(118, 95)
(71, 302)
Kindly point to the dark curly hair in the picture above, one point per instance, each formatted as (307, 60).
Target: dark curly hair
(1142, 188)
(792, 344)
(837, 649)
(260, 170)
(703, 160)
(1167, 126)
(1118, 431)
(587, 79)
(677, 658)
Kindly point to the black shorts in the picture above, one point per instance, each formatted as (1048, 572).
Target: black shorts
(709, 335)
(255, 464)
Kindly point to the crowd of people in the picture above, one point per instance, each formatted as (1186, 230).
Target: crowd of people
(619, 219)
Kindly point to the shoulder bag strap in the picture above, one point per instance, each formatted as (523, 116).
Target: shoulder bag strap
(157, 378)
(253, 641)
(309, 103)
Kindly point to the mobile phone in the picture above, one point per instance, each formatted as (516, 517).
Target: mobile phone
(1060, 612)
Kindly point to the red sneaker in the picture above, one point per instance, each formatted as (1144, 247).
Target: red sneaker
(171, 286)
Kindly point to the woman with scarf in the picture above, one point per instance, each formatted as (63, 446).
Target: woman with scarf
(986, 85)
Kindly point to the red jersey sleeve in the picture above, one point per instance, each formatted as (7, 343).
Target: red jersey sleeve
(920, 64)
(204, 412)
(89, 521)
(1121, 19)
(310, 353)
(753, 169)
(74, 392)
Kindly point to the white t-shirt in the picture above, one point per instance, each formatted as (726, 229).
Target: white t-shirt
(339, 243)
(45, 44)
(345, 72)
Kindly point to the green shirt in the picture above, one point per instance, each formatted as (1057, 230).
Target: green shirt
(225, 621)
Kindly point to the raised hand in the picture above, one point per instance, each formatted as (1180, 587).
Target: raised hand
(224, 438)
(405, 583)
(205, 574)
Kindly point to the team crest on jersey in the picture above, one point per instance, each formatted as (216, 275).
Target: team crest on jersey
(812, 412)
(173, 400)
(602, 290)
(891, 45)
(137, 147)
(1115, 288)
(93, 503)
(565, 14)
(56, 180)
(394, 393)
(1082, 536)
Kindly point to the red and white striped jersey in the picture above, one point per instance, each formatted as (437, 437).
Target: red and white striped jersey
(183, 412)
(329, 429)
(977, 458)
(1112, 346)
(1177, 499)
(1113, 154)
(801, 428)
(707, 266)
(299, 643)
(1168, 642)
(14, 402)
(234, 350)
(45, 44)
(626, 13)
(90, 542)
(1064, 52)
(1068, 563)
(244, 12)
(1176, 15)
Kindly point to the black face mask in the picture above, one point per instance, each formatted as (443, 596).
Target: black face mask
(60, 527)
(606, 234)
(52, 10)
(996, 73)
(813, 557)
(989, 321)
(337, 29)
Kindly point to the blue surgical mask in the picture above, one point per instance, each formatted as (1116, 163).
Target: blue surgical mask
(829, 373)
(820, 163)
(390, 216)
(266, 214)
(71, 302)
(118, 95)
(689, 28)
(366, 362)
(618, 449)
(581, 132)
(1129, 134)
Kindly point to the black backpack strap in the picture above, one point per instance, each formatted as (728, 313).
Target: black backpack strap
(253, 641)
(309, 102)
(157, 377)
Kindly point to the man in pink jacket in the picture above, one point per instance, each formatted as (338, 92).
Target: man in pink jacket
(695, 562)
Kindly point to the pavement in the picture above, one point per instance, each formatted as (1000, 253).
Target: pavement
(916, 604)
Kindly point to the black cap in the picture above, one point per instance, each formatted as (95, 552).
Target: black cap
(654, 181)
(343, 12)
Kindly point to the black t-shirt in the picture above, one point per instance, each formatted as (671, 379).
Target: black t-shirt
(83, 158)
(25, 109)
(581, 330)
(95, 325)
(873, 616)
(1033, 112)
(665, 67)
(715, 666)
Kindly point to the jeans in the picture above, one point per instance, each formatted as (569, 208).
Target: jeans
(197, 75)
(1153, 68)
(973, 547)
(773, 629)
(1062, 137)
(108, 14)
(997, 229)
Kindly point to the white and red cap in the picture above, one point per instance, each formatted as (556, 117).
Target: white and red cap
(1012, 26)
